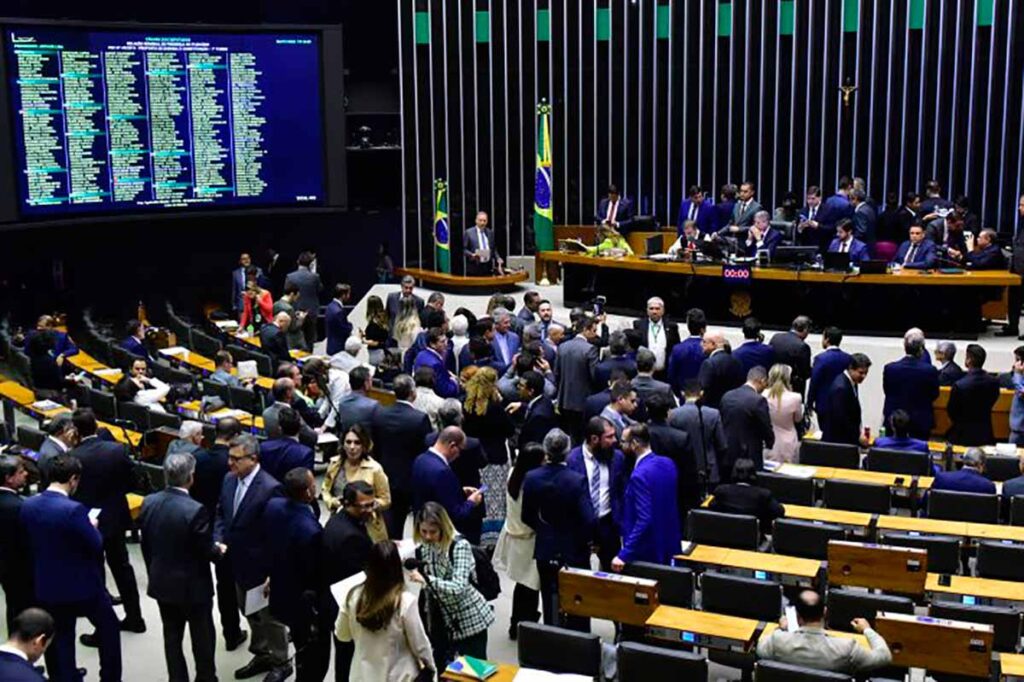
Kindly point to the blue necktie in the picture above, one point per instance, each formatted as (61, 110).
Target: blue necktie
(595, 488)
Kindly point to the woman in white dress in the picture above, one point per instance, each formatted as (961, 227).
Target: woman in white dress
(514, 552)
(383, 620)
(787, 410)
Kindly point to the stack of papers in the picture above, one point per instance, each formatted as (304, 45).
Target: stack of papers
(797, 471)
(226, 324)
(106, 372)
(174, 350)
(473, 668)
(531, 675)
(46, 405)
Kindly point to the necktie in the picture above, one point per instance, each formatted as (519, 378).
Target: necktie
(693, 211)
(239, 493)
(612, 208)
(814, 210)
(911, 252)
(844, 247)
(483, 241)
(595, 488)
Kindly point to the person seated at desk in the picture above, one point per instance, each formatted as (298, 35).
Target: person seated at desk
(811, 645)
(698, 210)
(969, 479)
(609, 241)
(224, 374)
(615, 210)
(744, 496)
(899, 423)
(134, 343)
(845, 242)
(140, 388)
(687, 243)
(916, 253)
(987, 255)
(63, 345)
(1015, 486)
(761, 236)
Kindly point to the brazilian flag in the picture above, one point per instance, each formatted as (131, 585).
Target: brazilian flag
(442, 235)
(543, 217)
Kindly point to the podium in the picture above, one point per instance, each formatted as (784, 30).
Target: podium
(903, 570)
(611, 596)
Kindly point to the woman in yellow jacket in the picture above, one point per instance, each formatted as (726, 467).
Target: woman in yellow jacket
(608, 238)
(355, 464)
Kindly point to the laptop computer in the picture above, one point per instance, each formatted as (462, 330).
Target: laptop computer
(836, 262)
(874, 267)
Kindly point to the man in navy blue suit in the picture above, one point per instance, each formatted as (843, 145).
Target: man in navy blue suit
(604, 467)
(618, 347)
(30, 635)
(912, 385)
(558, 507)
(696, 208)
(687, 356)
(810, 231)
(969, 479)
(67, 556)
(614, 210)
(336, 322)
(650, 518)
(761, 236)
(987, 254)
(538, 410)
(971, 400)
(133, 342)
(296, 585)
(841, 421)
(241, 535)
(846, 242)
(434, 481)
(917, 252)
(280, 455)
(828, 364)
(15, 560)
(433, 356)
(753, 351)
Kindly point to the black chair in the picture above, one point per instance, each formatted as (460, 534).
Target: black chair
(122, 359)
(741, 597)
(22, 367)
(788, 489)
(774, 671)
(103, 404)
(30, 437)
(646, 663)
(898, 462)
(819, 453)
(150, 477)
(1005, 621)
(217, 389)
(675, 583)
(170, 375)
(205, 344)
(860, 497)
(264, 365)
(158, 419)
(559, 650)
(943, 550)
(1017, 510)
(1001, 467)
(845, 605)
(1000, 560)
(808, 539)
(138, 415)
(245, 399)
(737, 531)
(957, 506)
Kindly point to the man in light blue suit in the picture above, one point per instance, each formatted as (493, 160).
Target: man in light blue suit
(846, 242)
(650, 519)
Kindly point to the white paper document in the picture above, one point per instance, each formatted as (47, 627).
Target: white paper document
(531, 675)
(255, 601)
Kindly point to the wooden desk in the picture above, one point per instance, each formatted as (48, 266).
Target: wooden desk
(788, 570)
(881, 567)
(913, 524)
(204, 365)
(595, 594)
(993, 531)
(506, 673)
(190, 410)
(701, 628)
(1000, 414)
(859, 476)
(936, 644)
(983, 590)
(23, 398)
(839, 517)
(448, 282)
(1011, 665)
(94, 368)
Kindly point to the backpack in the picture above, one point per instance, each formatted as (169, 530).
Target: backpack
(483, 577)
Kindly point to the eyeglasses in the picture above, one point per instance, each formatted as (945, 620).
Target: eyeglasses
(238, 458)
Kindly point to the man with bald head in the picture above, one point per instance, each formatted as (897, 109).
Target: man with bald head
(434, 481)
(721, 372)
(274, 339)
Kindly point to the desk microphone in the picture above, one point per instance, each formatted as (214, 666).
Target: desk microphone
(412, 564)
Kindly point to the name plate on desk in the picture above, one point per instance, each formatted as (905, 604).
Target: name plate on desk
(596, 594)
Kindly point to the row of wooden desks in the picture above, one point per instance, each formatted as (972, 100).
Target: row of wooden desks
(24, 399)
(193, 410)
(84, 362)
(788, 570)
(823, 473)
(204, 365)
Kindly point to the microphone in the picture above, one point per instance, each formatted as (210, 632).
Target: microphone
(412, 564)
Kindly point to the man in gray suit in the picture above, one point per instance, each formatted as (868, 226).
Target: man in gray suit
(478, 241)
(283, 392)
(356, 407)
(61, 437)
(574, 367)
(309, 285)
(703, 426)
(810, 646)
(397, 300)
(743, 212)
(644, 383)
(746, 420)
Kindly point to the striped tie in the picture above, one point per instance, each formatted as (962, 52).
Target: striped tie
(595, 488)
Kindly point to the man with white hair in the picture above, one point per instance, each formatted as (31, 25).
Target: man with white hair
(505, 343)
(761, 236)
(190, 438)
(911, 384)
(346, 360)
(721, 372)
(459, 327)
(945, 356)
(659, 334)
(969, 479)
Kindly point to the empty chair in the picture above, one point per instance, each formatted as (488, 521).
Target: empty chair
(215, 389)
(151, 477)
(788, 489)
(245, 399)
(738, 531)
(1005, 621)
(170, 375)
(845, 605)
(122, 358)
(943, 550)
(774, 671)
(742, 597)
(1017, 510)
(1001, 467)
(675, 583)
(264, 365)
(861, 497)
(898, 462)
(1000, 560)
(30, 437)
(138, 415)
(956, 506)
(558, 650)
(646, 663)
(808, 539)
(103, 404)
(205, 344)
(158, 419)
(820, 453)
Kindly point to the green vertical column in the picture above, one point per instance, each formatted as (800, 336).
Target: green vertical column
(851, 15)
(422, 28)
(787, 17)
(663, 21)
(916, 15)
(543, 25)
(724, 19)
(603, 23)
(985, 12)
(482, 30)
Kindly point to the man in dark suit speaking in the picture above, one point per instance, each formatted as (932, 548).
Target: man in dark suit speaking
(614, 210)
(478, 241)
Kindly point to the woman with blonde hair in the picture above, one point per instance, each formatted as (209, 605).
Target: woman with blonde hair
(485, 418)
(609, 240)
(787, 410)
(381, 617)
(355, 464)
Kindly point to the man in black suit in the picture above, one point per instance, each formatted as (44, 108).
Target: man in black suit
(747, 424)
(274, 339)
(30, 635)
(791, 349)
(211, 468)
(721, 372)
(949, 371)
(309, 284)
(538, 410)
(658, 333)
(61, 437)
(15, 561)
(743, 496)
(971, 401)
(842, 421)
(674, 444)
(177, 546)
(346, 546)
(614, 210)
(398, 436)
(240, 534)
(106, 480)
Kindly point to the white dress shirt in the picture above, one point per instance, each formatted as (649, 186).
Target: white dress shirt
(656, 342)
(604, 506)
(243, 485)
(151, 397)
